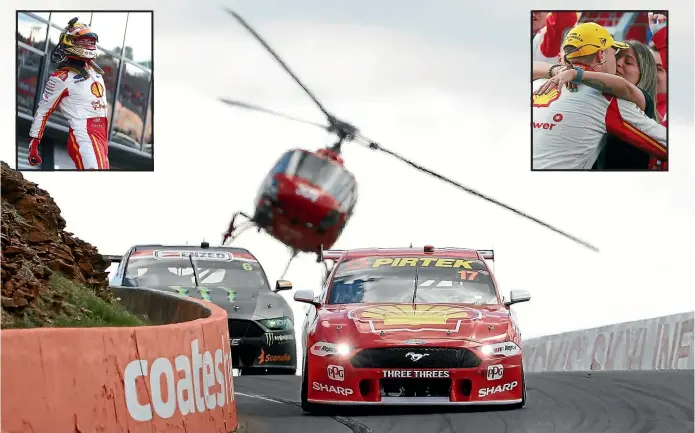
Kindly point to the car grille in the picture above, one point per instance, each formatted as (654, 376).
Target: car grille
(244, 328)
(415, 387)
(434, 357)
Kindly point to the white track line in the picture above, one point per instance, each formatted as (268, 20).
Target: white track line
(260, 397)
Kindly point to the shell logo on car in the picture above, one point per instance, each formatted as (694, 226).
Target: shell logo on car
(413, 317)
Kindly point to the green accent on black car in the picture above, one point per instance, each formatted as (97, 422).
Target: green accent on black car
(205, 294)
(278, 323)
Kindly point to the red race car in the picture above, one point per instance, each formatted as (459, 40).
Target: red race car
(411, 326)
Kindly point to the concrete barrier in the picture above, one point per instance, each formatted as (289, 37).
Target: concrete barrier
(661, 343)
(159, 307)
(170, 378)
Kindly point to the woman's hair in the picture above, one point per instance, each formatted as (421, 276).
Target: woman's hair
(647, 68)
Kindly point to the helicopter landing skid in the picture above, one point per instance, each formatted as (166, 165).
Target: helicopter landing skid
(234, 231)
(289, 262)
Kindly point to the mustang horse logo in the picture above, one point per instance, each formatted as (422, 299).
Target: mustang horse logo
(415, 357)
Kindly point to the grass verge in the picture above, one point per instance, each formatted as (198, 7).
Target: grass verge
(81, 308)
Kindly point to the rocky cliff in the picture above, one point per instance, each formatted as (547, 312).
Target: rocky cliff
(34, 246)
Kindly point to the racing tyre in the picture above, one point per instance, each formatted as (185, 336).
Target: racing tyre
(523, 392)
(311, 408)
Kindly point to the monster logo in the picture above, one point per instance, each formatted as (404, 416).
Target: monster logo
(413, 318)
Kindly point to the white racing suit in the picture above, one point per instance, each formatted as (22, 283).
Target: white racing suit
(83, 102)
(570, 128)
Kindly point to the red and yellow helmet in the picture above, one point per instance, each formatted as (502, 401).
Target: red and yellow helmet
(78, 40)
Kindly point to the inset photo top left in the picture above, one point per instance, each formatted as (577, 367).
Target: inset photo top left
(85, 90)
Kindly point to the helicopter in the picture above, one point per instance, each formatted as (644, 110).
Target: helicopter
(308, 197)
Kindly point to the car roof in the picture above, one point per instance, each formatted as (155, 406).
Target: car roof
(190, 247)
(412, 252)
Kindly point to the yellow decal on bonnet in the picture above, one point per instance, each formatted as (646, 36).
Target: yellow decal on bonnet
(414, 314)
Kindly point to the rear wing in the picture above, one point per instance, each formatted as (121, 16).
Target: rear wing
(329, 255)
(487, 254)
(332, 255)
(337, 254)
(112, 259)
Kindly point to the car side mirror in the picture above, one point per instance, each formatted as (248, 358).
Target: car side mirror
(281, 285)
(306, 296)
(516, 296)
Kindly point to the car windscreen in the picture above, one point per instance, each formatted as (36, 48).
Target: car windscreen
(423, 280)
(331, 177)
(167, 268)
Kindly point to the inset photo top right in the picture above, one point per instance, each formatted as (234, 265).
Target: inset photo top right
(599, 90)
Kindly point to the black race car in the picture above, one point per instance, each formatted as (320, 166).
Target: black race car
(261, 324)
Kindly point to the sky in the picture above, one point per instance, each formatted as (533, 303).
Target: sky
(447, 85)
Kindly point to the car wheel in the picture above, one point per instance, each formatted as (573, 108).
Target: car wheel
(522, 403)
(308, 407)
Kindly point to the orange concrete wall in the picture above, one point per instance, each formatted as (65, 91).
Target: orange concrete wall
(170, 378)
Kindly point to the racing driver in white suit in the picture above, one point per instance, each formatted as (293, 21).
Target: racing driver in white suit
(570, 127)
(77, 87)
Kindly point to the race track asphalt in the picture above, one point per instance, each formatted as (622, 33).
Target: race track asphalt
(624, 402)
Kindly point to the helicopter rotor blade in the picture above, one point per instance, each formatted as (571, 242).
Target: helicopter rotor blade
(253, 107)
(281, 62)
(344, 129)
(374, 146)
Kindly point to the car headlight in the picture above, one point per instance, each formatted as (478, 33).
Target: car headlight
(278, 323)
(507, 348)
(324, 348)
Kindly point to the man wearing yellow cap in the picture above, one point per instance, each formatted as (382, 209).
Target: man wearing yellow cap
(570, 128)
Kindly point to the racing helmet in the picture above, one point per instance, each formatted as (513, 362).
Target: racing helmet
(76, 41)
